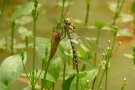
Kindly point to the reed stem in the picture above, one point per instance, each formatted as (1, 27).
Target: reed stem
(64, 71)
(118, 10)
(87, 14)
(12, 37)
(95, 57)
(34, 53)
(101, 80)
(46, 70)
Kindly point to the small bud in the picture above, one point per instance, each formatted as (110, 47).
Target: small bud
(124, 84)
(108, 48)
(120, 43)
(36, 70)
(46, 51)
(36, 4)
(125, 79)
(26, 40)
(103, 54)
(115, 30)
(109, 41)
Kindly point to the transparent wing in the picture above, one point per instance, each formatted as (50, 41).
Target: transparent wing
(85, 43)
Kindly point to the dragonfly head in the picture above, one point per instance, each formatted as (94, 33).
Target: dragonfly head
(67, 21)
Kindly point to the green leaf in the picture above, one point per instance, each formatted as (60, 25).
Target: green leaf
(2, 44)
(24, 32)
(66, 83)
(124, 17)
(62, 54)
(77, 21)
(54, 70)
(88, 1)
(84, 53)
(67, 46)
(124, 33)
(3, 86)
(24, 9)
(69, 72)
(43, 45)
(27, 88)
(99, 25)
(87, 62)
(19, 46)
(112, 6)
(24, 20)
(85, 80)
(42, 41)
(11, 68)
(133, 7)
(128, 56)
(41, 52)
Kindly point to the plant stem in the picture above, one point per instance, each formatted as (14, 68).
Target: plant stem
(106, 78)
(95, 57)
(118, 10)
(34, 53)
(35, 14)
(87, 14)
(101, 80)
(26, 72)
(116, 13)
(124, 84)
(40, 73)
(27, 58)
(134, 25)
(107, 62)
(97, 42)
(46, 70)
(3, 6)
(64, 70)
(62, 12)
(53, 86)
(68, 7)
(12, 37)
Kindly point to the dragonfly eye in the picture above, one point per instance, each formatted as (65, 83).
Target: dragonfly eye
(67, 21)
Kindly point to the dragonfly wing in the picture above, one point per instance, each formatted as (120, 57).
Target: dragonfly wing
(86, 44)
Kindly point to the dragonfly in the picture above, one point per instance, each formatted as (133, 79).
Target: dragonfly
(68, 29)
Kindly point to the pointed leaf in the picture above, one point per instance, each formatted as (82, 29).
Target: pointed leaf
(62, 54)
(11, 68)
(3, 86)
(87, 62)
(99, 25)
(85, 80)
(66, 83)
(24, 9)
